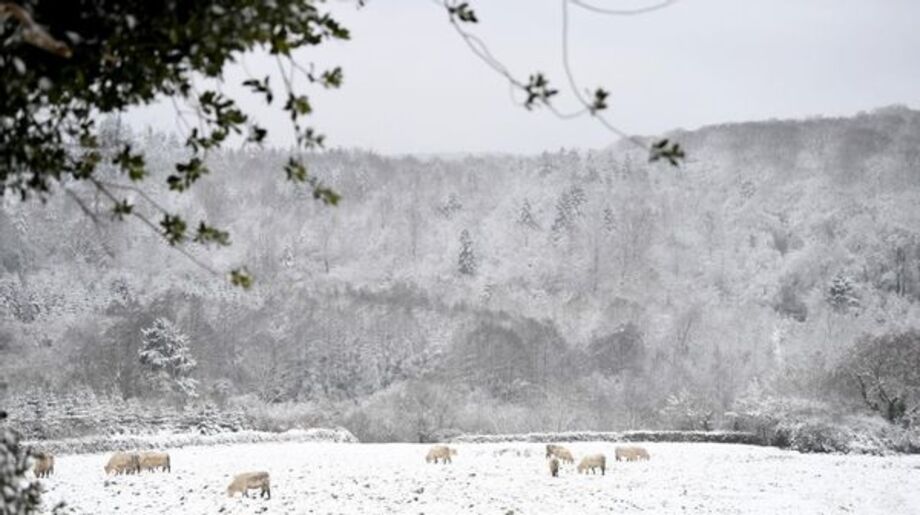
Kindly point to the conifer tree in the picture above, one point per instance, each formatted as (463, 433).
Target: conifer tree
(165, 353)
(467, 260)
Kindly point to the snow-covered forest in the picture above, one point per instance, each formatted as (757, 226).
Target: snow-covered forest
(572, 290)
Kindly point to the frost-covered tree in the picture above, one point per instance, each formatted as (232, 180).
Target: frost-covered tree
(466, 262)
(841, 294)
(526, 220)
(166, 355)
(569, 208)
(884, 371)
(450, 207)
(610, 220)
(18, 495)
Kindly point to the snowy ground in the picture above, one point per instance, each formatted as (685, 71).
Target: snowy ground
(496, 479)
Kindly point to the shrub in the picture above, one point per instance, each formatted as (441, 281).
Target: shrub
(18, 495)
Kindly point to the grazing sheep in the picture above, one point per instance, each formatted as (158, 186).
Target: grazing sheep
(642, 454)
(441, 452)
(560, 452)
(123, 463)
(154, 461)
(630, 453)
(250, 481)
(554, 467)
(44, 464)
(593, 462)
(564, 455)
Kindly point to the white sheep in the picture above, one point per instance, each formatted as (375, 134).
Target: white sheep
(155, 460)
(560, 452)
(630, 453)
(441, 452)
(592, 463)
(246, 481)
(123, 463)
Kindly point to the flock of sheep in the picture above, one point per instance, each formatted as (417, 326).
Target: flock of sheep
(136, 462)
(556, 454)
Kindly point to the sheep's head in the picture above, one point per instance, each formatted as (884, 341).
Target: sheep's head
(453, 452)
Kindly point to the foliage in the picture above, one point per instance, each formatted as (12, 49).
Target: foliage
(117, 54)
(67, 65)
(18, 495)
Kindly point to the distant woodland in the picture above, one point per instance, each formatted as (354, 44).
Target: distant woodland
(779, 267)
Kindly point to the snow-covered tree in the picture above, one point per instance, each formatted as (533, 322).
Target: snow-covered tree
(18, 495)
(569, 208)
(526, 218)
(610, 220)
(841, 294)
(165, 353)
(467, 261)
(450, 207)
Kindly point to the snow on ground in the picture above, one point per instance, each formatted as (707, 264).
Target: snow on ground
(496, 479)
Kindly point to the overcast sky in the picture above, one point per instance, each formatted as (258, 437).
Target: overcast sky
(412, 86)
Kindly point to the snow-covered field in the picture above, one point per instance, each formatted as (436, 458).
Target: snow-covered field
(496, 479)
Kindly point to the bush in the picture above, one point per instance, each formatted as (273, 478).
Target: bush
(282, 416)
(813, 436)
(18, 495)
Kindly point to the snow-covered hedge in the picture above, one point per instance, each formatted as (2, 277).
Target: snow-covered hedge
(617, 436)
(48, 417)
(852, 435)
(97, 444)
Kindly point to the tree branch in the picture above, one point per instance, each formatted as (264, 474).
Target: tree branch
(623, 12)
(33, 33)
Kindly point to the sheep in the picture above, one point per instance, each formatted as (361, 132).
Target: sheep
(630, 453)
(44, 464)
(560, 452)
(441, 452)
(642, 454)
(554, 467)
(564, 455)
(154, 461)
(123, 463)
(250, 481)
(593, 462)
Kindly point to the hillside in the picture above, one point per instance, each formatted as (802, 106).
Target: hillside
(571, 290)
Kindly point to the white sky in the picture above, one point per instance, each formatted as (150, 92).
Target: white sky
(412, 86)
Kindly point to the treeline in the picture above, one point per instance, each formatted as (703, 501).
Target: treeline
(565, 291)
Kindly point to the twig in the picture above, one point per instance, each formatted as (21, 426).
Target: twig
(135, 189)
(156, 229)
(623, 12)
(97, 224)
